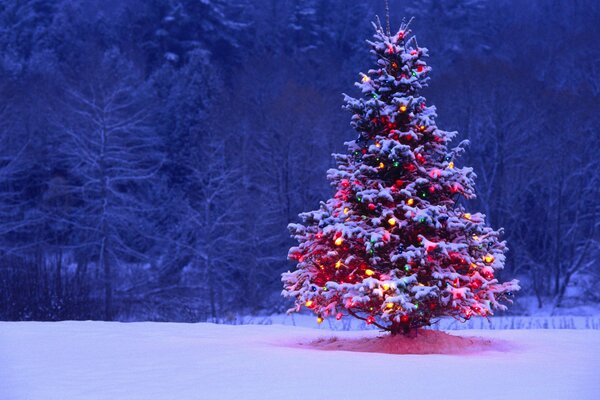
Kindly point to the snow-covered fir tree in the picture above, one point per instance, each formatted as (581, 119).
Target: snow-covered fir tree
(395, 246)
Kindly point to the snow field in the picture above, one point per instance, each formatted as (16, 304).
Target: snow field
(167, 361)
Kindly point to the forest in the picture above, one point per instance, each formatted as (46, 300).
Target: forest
(152, 152)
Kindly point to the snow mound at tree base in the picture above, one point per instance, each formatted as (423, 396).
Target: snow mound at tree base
(420, 342)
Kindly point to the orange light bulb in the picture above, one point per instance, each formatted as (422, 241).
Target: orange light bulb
(392, 221)
(339, 241)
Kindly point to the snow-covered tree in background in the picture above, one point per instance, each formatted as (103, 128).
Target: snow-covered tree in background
(394, 246)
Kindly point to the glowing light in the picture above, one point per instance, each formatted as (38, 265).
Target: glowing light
(404, 319)
(346, 209)
(339, 316)
(451, 165)
(389, 305)
(371, 206)
(339, 241)
(338, 264)
(319, 320)
(377, 144)
(369, 272)
(402, 108)
(365, 79)
(309, 303)
(467, 216)
(392, 221)
(488, 258)
(370, 319)
(475, 237)
(386, 286)
(381, 165)
(410, 202)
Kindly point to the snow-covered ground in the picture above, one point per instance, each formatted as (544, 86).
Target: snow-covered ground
(147, 361)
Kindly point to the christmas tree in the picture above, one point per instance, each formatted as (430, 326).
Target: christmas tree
(394, 246)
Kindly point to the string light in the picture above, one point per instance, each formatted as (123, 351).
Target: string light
(370, 319)
(392, 221)
(339, 316)
(451, 165)
(338, 264)
(381, 165)
(339, 241)
(319, 319)
(467, 216)
(389, 305)
(369, 272)
(488, 258)
(309, 303)
(346, 209)
(410, 202)
(402, 108)
(365, 79)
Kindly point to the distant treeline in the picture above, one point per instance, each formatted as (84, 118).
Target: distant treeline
(152, 152)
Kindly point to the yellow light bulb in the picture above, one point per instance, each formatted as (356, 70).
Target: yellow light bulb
(410, 202)
(402, 108)
(339, 241)
(346, 209)
(451, 165)
(467, 216)
(377, 144)
(365, 79)
(389, 305)
(488, 258)
(386, 286)
(381, 165)
(475, 237)
(369, 272)
(309, 303)
(392, 221)
(338, 264)
(319, 320)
